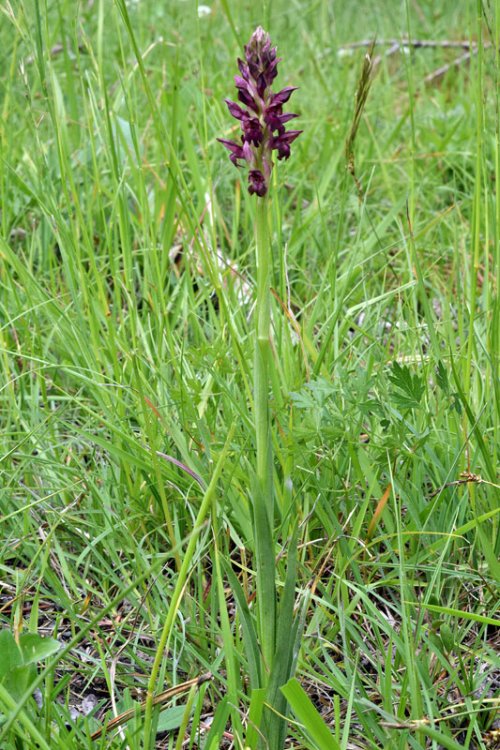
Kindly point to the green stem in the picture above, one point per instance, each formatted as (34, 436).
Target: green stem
(262, 353)
(477, 205)
(263, 500)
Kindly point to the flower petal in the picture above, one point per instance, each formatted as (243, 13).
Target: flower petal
(260, 113)
(284, 95)
(247, 100)
(283, 142)
(276, 120)
(235, 148)
(235, 109)
(237, 151)
(243, 68)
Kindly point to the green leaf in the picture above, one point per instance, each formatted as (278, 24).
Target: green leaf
(17, 661)
(257, 699)
(288, 634)
(214, 737)
(18, 680)
(122, 134)
(35, 648)
(15, 675)
(313, 395)
(410, 387)
(441, 738)
(249, 635)
(11, 653)
(447, 637)
(442, 378)
(307, 714)
(170, 719)
(474, 423)
(462, 614)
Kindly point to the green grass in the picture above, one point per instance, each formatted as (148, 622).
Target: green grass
(123, 334)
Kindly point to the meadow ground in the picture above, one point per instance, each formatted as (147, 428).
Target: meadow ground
(127, 287)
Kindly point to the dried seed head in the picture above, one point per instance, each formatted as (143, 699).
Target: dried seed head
(261, 116)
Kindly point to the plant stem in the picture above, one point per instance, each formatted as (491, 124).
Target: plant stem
(263, 500)
(262, 353)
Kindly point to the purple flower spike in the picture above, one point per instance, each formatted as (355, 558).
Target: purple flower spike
(261, 116)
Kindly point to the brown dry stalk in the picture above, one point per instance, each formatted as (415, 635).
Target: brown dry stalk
(416, 43)
(440, 72)
(158, 700)
(395, 45)
(465, 478)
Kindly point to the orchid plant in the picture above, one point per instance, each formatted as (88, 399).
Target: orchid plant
(263, 131)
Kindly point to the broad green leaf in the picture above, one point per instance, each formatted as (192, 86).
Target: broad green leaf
(11, 656)
(170, 719)
(15, 675)
(35, 647)
(18, 680)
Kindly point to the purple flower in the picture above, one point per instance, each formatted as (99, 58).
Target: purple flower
(261, 116)
(256, 182)
(236, 151)
(282, 142)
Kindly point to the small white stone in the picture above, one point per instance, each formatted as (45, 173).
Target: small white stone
(88, 704)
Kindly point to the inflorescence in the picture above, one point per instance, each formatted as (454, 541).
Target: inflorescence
(262, 118)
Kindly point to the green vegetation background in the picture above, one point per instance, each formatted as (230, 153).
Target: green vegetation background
(126, 290)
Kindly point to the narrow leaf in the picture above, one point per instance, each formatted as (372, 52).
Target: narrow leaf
(249, 635)
(257, 699)
(307, 714)
(465, 615)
